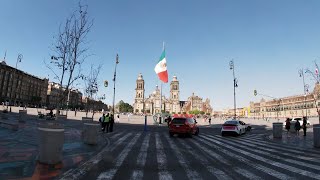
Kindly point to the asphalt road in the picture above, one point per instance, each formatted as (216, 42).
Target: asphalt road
(134, 154)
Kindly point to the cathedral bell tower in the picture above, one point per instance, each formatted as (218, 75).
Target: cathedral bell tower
(139, 98)
(174, 95)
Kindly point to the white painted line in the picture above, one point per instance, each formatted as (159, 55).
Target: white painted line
(85, 167)
(137, 175)
(265, 147)
(142, 157)
(191, 173)
(255, 165)
(260, 158)
(246, 173)
(162, 160)
(109, 174)
(51, 130)
(214, 171)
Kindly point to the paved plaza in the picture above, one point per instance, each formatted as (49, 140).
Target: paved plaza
(131, 153)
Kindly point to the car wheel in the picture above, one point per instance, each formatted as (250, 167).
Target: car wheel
(222, 134)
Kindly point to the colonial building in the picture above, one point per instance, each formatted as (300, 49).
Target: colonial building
(56, 92)
(20, 88)
(299, 105)
(151, 104)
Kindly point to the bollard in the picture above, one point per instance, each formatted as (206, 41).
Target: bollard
(277, 130)
(316, 135)
(90, 132)
(22, 115)
(51, 139)
(145, 124)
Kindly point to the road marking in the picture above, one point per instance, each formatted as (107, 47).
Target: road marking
(262, 168)
(262, 159)
(162, 160)
(109, 174)
(142, 157)
(214, 171)
(265, 147)
(191, 173)
(246, 173)
(86, 167)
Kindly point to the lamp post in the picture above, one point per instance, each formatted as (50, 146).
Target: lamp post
(235, 84)
(20, 56)
(114, 82)
(305, 89)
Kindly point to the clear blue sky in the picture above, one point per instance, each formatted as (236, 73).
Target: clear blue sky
(269, 41)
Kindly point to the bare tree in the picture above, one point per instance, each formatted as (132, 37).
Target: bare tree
(316, 92)
(91, 88)
(69, 50)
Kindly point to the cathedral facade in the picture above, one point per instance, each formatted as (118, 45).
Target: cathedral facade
(151, 104)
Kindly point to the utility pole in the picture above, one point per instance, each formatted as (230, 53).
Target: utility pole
(235, 84)
(114, 82)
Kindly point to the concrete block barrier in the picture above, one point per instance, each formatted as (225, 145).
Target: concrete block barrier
(90, 132)
(277, 129)
(51, 139)
(316, 135)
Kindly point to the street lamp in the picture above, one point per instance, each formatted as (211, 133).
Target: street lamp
(235, 84)
(114, 82)
(20, 56)
(305, 89)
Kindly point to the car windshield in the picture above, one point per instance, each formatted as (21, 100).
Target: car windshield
(231, 122)
(178, 121)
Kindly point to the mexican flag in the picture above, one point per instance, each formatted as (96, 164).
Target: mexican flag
(161, 68)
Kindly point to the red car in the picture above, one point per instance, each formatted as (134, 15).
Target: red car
(183, 125)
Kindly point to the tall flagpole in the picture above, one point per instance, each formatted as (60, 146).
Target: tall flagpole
(161, 89)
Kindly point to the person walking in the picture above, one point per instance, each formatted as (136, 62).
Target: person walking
(210, 120)
(106, 123)
(118, 118)
(101, 120)
(288, 125)
(304, 126)
(111, 122)
(297, 127)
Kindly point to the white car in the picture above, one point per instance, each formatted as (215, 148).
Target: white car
(233, 127)
(294, 120)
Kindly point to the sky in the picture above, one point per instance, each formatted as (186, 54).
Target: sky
(269, 42)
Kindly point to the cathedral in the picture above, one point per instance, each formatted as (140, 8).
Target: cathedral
(173, 105)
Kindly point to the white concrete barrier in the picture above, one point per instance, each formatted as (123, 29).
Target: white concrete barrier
(90, 132)
(316, 135)
(51, 139)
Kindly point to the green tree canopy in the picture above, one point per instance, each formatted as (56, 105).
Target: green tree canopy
(124, 107)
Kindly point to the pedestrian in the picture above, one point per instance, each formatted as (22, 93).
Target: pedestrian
(209, 120)
(118, 118)
(288, 125)
(297, 127)
(169, 120)
(101, 120)
(111, 123)
(304, 126)
(106, 123)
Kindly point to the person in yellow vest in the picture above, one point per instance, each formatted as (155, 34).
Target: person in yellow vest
(106, 123)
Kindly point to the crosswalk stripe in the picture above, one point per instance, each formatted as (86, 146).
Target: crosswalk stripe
(246, 173)
(254, 144)
(85, 167)
(142, 157)
(162, 160)
(191, 173)
(109, 174)
(116, 135)
(294, 149)
(238, 144)
(262, 159)
(214, 171)
(260, 167)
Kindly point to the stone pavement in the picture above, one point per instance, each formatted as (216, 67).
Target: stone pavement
(305, 142)
(19, 150)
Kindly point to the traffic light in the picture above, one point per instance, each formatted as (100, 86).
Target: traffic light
(255, 92)
(105, 83)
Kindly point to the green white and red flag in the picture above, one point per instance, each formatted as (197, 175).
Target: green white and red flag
(161, 68)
